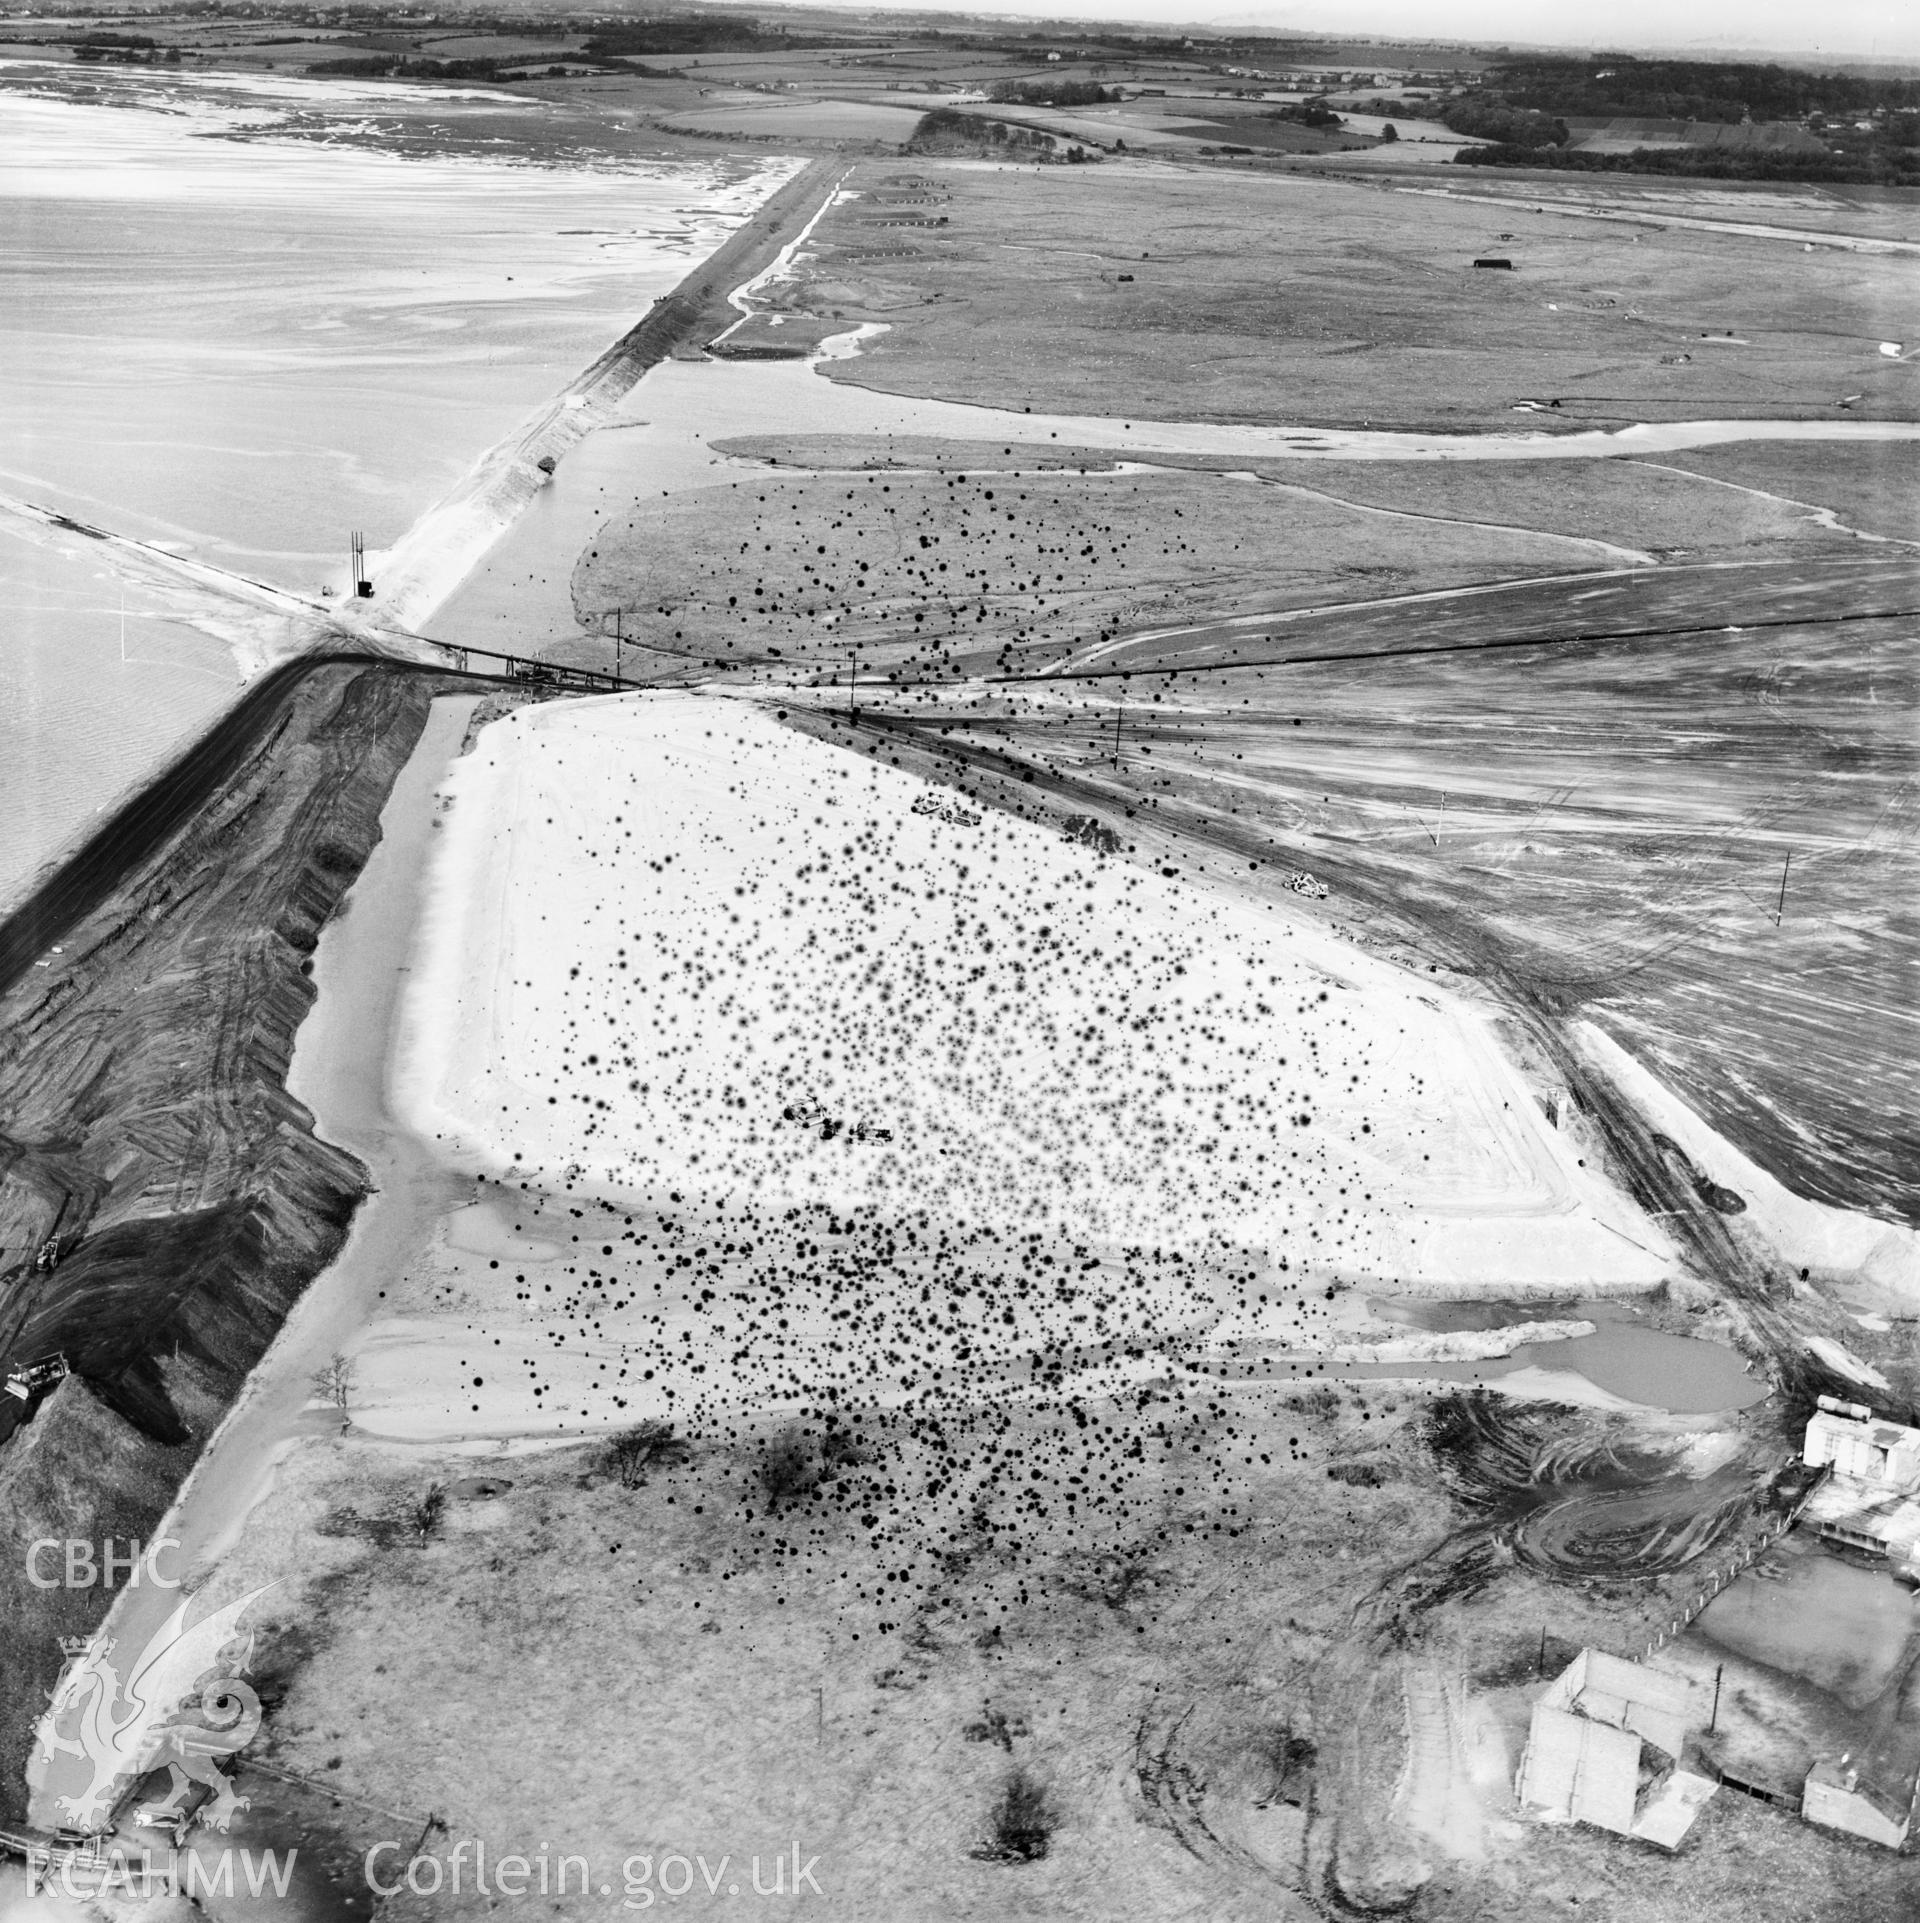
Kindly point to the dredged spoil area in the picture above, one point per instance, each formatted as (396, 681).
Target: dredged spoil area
(750, 883)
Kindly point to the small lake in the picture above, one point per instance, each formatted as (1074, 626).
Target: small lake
(1679, 1374)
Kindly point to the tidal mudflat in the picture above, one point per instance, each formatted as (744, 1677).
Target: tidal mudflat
(240, 349)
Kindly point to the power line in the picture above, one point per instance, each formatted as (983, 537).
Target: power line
(1447, 647)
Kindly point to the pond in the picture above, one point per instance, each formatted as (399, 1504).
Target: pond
(1622, 1358)
(1840, 1627)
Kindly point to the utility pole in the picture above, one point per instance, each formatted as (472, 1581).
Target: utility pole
(1713, 1721)
(619, 617)
(853, 664)
(1782, 908)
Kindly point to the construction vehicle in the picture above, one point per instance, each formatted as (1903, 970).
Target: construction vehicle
(30, 1378)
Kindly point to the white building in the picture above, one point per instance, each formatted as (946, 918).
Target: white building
(1584, 1761)
(1835, 1799)
(1846, 1435)
(1871, 1501)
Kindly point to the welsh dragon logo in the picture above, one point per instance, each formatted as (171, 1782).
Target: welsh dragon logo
(122, 1719)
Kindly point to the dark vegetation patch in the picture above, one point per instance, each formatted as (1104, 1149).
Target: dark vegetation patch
(1373, 1474)
(948, 130)
(1052, 93)
(1616, 84)
(647, 1446)
(995, 1726)
(411, 1517)
(1895, 167)
(1846, 128)
(1091, 832)
(1021, 1823)
(702, 33)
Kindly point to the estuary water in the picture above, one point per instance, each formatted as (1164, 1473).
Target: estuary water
(242, 348)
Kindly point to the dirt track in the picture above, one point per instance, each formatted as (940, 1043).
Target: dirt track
(1626, 605)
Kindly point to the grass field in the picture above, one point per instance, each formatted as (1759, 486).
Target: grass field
(1876, 489)
(1669, 509)
(1282, 297)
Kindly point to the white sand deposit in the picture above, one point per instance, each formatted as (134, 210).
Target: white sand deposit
(1458, 1345)
(1876, 1264)
(682, 964)
(659, 923)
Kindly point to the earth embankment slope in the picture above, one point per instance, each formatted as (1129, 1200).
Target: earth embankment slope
(85, 882)
(149, 1134)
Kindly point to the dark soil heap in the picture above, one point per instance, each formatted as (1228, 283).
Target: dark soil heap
(163, 1199)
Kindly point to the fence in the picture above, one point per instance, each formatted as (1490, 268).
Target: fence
(1738, 1567)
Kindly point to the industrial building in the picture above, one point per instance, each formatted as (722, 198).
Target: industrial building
(1836, 1799)
(1605, 1748)
(1871, 1498)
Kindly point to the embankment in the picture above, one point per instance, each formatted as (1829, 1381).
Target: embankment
(415, 577)
(148, 1126)
(137, 831)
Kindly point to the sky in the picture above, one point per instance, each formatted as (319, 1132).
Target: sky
(1853, 29)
